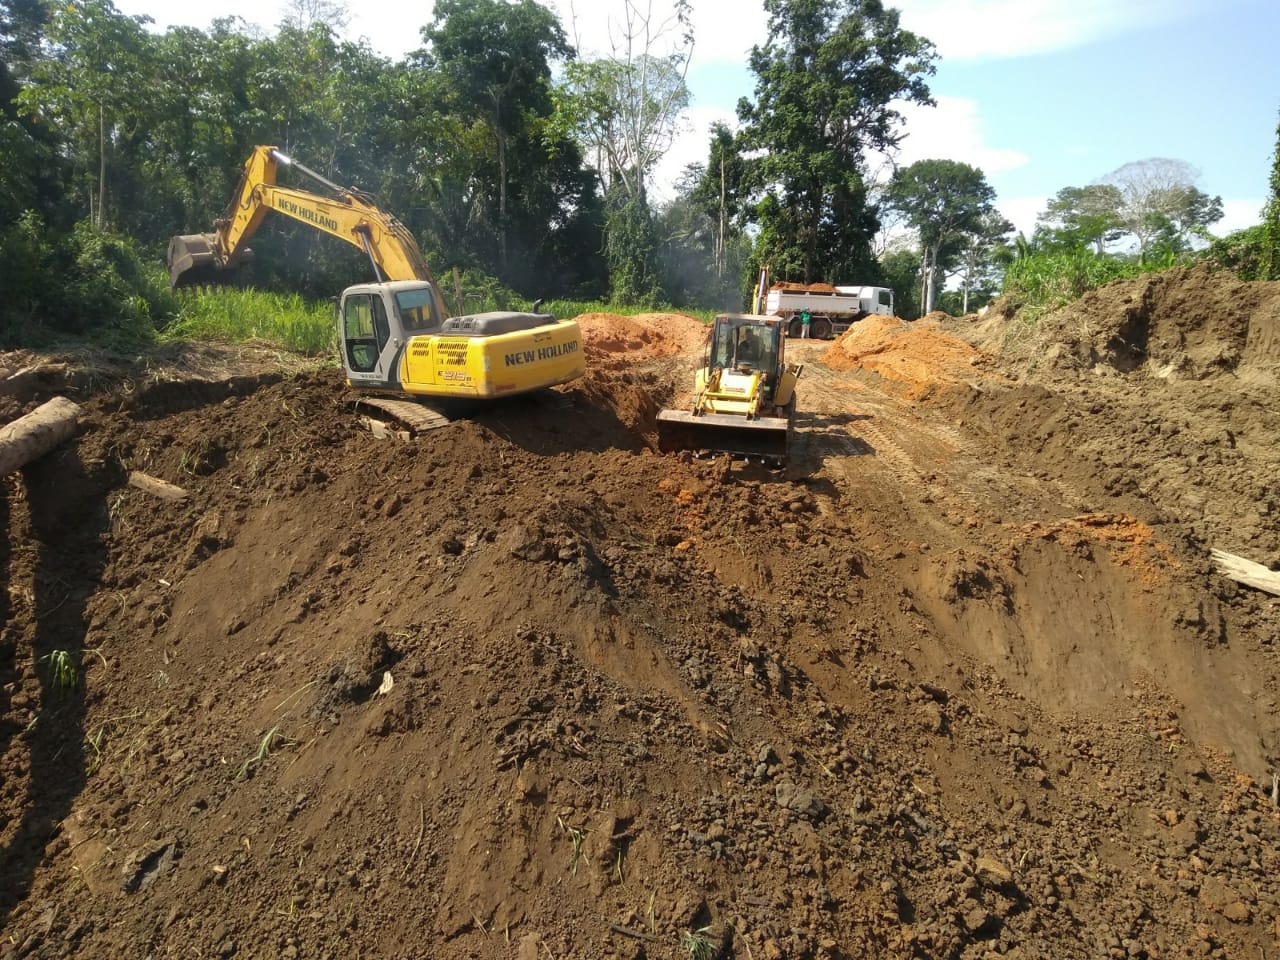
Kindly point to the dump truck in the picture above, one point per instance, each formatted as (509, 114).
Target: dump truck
(830, 309)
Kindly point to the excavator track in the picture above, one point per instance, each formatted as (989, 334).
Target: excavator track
(416, 417)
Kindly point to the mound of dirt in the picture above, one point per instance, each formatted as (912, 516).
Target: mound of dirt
(803, 287)
(917, 355)
(960, 682)
(644, 336)
(1159, 389)
(1188, 323)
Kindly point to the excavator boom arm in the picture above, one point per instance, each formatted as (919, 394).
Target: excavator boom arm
(349, 215)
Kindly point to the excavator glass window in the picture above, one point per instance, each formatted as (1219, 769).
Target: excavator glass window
(363, 332)
(417, 310)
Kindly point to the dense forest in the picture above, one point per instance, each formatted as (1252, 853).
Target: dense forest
(511, 159)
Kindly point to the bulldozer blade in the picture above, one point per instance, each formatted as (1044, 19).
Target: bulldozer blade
(768, 438)
(193, 262)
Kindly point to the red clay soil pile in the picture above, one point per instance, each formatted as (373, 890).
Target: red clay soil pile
(915, 355)
(803, 287)
(644, 336)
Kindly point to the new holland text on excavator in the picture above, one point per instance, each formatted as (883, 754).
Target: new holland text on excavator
(395, 335)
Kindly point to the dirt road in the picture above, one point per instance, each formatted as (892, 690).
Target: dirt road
(960, 682)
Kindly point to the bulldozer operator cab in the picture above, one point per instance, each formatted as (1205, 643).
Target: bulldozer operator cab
(745, 343)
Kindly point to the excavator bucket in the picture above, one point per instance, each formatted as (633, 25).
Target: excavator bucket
(193, 262)
(765, 438)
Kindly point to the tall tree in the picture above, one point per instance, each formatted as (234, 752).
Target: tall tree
(626, 107)
(89, 87)
(943, 201)
(21, 26)
(494, 59)
(1083, 216)
(977, 265)
(625, 110)
(720, 192)
(704, 253)
(301, 14)
(1185, 218)
(30, 176)
(1159, 196)
(1270, 260)
(827, 77)
(900, 270)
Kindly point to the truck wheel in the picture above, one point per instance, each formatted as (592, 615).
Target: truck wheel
(820, 328)
(794, 328)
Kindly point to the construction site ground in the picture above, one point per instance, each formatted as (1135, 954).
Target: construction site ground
(961, 681)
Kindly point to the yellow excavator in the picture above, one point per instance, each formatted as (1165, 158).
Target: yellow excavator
(395, 335)
(744, 400)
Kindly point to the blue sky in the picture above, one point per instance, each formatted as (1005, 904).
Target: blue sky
(1040, 94)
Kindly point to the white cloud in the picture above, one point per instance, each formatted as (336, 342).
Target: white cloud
(1238, 214)
(1022, 212)
(953, 131)
(987, 29)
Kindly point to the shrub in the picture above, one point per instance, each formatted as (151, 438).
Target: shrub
(1242, 252)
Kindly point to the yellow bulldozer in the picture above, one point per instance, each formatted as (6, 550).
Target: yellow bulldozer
(744, 400)
(395, 335)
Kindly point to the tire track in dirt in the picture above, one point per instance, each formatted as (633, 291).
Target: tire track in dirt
(882, 450)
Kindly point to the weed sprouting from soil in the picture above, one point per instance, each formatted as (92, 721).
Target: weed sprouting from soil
(576, 837)
(698, 944)
(61, 667)
(269, 740)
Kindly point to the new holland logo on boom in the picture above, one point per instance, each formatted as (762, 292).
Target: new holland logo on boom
(305, 213)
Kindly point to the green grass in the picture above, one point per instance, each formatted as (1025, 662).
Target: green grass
(1045, 281)
(61, 669)
(241, 316)
(697, 944)
(292, 323)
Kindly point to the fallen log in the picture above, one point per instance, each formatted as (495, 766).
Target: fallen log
(156, 487)
(32, 436)
(1247, 572)
(29, 380)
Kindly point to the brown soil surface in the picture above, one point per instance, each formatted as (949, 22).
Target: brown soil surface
(961, 682)
(803, 287)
